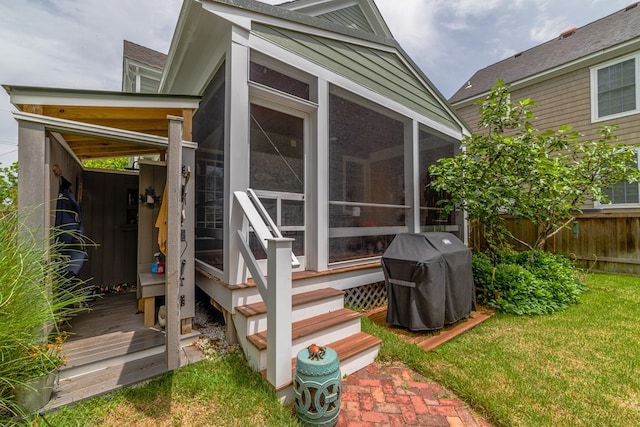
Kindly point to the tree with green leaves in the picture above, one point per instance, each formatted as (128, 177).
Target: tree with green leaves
(513, 169)
(114, 163)
(9, 187)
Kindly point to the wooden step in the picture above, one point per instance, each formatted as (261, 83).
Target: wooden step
(116, 349)
(79, 388)
(345, 348)
(348, 347)
(308, 326)
(450, 333)
(89, 350)
(295, 276)
(258, 308)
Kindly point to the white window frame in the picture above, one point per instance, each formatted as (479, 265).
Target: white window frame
(621, 205)
(595, 116)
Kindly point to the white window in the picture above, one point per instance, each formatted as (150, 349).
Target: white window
(623, 194)
(615, 89)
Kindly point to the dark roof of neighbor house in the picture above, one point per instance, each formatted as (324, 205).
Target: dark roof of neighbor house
(144, 55)
(569, 46)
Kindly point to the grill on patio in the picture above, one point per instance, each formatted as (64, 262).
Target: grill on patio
(429, 281)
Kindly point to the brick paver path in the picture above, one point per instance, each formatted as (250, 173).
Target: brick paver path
(396, 396)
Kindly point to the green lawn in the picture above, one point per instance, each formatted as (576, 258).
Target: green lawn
(579, 367)
(223, 392)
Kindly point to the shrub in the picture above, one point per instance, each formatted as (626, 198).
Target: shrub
(35, 297)
(532, 282)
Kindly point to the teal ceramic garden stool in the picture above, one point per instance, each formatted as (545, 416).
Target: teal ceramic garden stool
(317, 386)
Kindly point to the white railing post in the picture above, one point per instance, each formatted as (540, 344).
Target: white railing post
(279, 312)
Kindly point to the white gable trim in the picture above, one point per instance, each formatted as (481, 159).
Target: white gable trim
(224, 10)
(320, 7)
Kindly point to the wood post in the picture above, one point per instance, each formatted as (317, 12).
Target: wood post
(279, 312)
(174, 207)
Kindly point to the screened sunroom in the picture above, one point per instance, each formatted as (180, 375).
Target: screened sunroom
(314, 135)
(338, 172)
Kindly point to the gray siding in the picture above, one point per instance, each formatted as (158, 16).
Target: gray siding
(380, 71)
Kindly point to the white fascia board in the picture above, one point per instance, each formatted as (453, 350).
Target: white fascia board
(79, 128)
(288, 57)
(182, 35)
(94, 99)
(239, 17)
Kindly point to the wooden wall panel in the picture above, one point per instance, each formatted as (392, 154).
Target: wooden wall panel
(154, 176)
(113, 260)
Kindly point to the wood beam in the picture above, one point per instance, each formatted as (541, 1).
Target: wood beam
(187, 127)
(174, 226)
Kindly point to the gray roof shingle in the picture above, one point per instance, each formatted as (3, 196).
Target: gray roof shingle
(142, 54)
(604, 33)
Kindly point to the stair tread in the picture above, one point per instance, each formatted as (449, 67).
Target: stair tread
(345, 348)
(106, 380)
(350, 346)
(296, 300)
(296, 275)
(115, 345)
(307, 326)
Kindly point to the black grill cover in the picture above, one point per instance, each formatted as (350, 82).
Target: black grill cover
(429, 281)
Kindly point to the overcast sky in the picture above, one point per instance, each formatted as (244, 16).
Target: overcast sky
(78, 43)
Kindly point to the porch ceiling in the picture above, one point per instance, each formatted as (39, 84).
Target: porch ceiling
(136, 114)
(150, 121)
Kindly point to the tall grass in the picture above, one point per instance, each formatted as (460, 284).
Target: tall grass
(35, 297)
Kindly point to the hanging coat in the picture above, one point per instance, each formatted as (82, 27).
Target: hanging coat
(69, 229)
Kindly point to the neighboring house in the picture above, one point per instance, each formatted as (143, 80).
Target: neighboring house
(587, 77)
(311, 104)
(141, 68)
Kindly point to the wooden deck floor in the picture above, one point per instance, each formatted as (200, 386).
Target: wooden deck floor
(107, 314)
(430, 340)
(108, 347)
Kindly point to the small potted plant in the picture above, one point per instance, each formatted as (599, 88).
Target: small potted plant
(45, 362)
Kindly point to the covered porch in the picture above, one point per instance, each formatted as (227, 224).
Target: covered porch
(58, 129)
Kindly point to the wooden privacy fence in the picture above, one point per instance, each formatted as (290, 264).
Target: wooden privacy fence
(598, 241)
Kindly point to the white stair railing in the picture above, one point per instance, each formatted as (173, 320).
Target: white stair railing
(276, 290)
